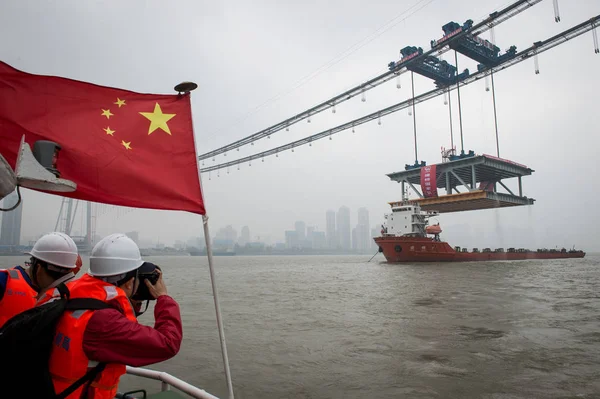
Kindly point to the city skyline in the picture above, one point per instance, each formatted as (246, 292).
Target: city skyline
(459, 234)
(302, 236)
(338, 234)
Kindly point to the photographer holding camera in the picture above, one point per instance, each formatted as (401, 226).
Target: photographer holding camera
(104, 341)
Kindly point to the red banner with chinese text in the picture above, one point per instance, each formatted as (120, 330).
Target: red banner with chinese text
(428, 181)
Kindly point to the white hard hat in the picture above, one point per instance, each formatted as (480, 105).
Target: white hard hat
(114, 255)
(56, 249)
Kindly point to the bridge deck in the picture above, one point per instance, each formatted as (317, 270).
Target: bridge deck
(468, 173)
(486, 167)
(471, 201)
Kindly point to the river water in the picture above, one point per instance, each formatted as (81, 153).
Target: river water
(339, 327)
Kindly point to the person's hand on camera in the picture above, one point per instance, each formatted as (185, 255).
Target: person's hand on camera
(157, 289)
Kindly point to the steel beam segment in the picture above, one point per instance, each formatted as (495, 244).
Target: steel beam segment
(414, 189)
(506, 188)
(511, 198)
(460, 180)
(439, 180)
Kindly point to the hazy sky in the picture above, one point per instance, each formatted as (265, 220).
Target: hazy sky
(244, 53)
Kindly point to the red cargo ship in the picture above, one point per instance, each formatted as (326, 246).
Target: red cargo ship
(406, 237)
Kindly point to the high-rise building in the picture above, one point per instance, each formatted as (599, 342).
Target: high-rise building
(291, 239)
(300, 228)
(363, 217)
(343, 228)
(330, 232)
(318, 240)
(245, 236)
(10, 233)
(227, 233)
(308, 241)
(225, 238)
(354, 239)
(363, 231)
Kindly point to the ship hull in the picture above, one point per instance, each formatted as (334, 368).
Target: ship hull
(425, 249)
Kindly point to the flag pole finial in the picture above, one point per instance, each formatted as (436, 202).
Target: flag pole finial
(185, 87)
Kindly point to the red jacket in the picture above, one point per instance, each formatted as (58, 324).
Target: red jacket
(110, 337)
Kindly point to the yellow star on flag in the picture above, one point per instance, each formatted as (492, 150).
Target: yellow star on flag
(158, 120)
(120, 102)
(108, 131)
(107, 113)
(126, 144)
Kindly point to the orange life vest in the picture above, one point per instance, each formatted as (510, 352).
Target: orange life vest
(50, 295)
(68, 361)
(18, 296)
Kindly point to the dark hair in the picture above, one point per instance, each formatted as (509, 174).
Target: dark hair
(55, 272)
(128, 276)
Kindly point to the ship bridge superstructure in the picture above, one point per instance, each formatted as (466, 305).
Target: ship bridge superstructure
(406, 218)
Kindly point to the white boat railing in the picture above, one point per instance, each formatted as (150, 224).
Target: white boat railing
(168, 380)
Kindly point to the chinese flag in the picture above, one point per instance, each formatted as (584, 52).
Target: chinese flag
(119, 147)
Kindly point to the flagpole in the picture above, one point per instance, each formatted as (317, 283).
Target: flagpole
(186, 88)
(216, 299)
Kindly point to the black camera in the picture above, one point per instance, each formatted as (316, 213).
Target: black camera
(148, 271)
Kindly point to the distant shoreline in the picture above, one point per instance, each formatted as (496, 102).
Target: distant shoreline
(178, 254)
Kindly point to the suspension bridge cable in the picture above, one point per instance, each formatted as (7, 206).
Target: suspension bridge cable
(538, 47)
(492, 20)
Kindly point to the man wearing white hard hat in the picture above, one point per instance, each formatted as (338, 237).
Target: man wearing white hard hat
(54, 260)
(113, 336)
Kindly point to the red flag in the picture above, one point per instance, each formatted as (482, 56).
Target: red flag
(119, 147)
